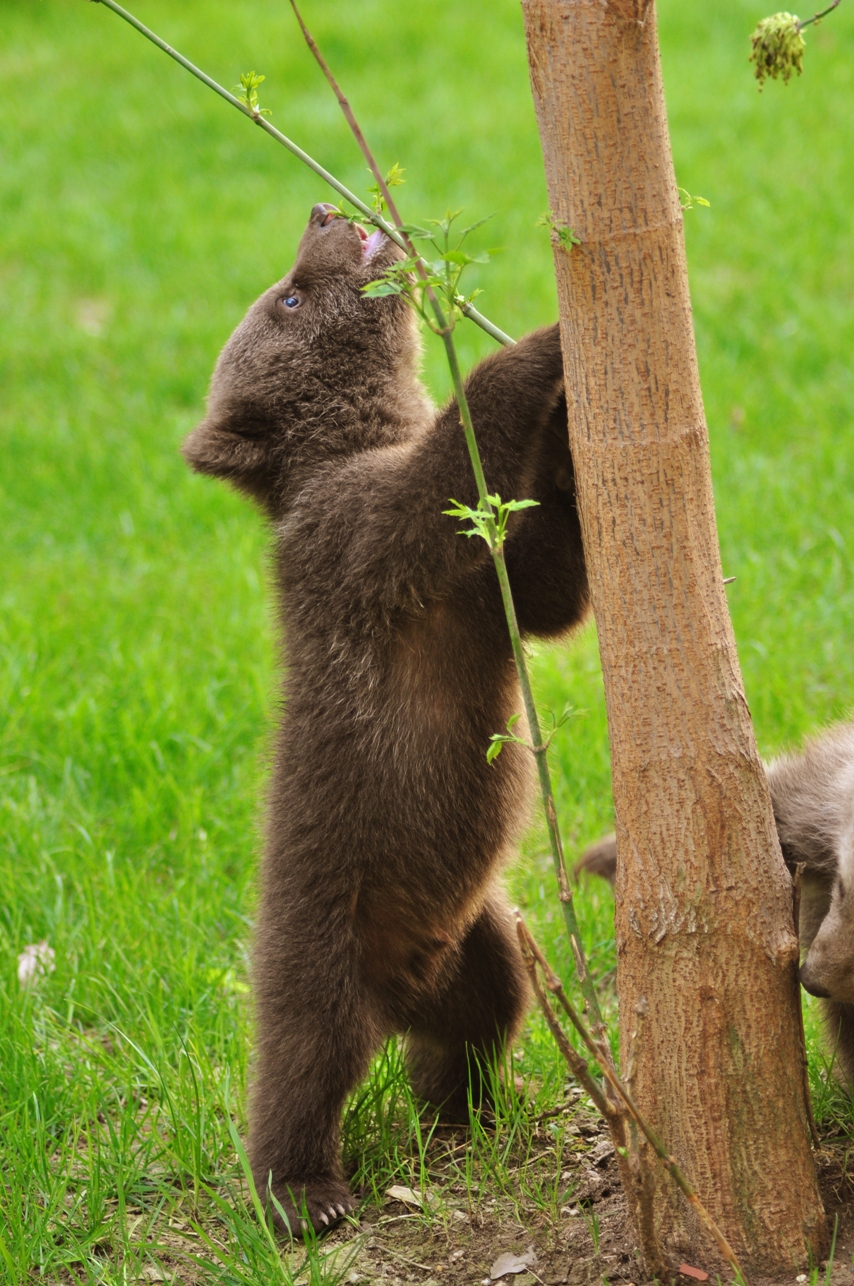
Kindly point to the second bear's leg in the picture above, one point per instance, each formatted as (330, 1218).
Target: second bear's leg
(839, 1026)
(475, 1015)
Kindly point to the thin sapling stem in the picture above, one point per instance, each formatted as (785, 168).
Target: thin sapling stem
(538, 744)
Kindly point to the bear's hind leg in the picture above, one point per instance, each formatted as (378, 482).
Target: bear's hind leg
(455, 1035)
(316, 1035)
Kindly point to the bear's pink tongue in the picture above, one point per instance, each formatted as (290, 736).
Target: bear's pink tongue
(371, 244)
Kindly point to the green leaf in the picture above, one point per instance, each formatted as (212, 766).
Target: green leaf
(414, 230)
(381, 289)
(478, 224)
(494, 750)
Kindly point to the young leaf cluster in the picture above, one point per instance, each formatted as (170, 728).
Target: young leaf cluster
(561, 232)
(778, 48)
(489, 521)
(393, 179)
(500, 739)
(247, 92)
(440, 274)
(688, 201)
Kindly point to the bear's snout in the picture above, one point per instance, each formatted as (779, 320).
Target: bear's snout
(810, 984)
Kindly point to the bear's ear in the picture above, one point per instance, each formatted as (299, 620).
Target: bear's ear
(247, 462)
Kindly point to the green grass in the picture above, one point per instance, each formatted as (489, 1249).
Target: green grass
(140, 216)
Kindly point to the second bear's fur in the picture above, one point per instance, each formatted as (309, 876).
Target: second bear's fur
(813, 798)
(386, 831)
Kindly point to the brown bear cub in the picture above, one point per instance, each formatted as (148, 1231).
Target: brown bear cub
(381, 910)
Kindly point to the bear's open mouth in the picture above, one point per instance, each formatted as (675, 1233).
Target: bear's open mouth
(370, 242)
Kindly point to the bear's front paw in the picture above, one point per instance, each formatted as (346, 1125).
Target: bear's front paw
(319, 1202)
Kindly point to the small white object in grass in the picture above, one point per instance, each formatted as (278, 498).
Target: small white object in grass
(801, 1277)
(510, 1262)
(34, 962)
(399, 1193)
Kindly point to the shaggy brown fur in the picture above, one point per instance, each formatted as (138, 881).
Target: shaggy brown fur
(813, 798)
(380, 908)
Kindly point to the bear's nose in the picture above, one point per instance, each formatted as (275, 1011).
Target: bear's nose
(811, 986)
(323, 213)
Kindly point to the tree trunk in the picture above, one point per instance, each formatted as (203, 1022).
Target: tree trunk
(705, 939)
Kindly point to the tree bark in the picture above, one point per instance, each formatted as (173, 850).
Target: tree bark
(705, 938)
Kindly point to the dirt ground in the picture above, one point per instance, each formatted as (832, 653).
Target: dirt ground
(396, 1245)
(458, 1233)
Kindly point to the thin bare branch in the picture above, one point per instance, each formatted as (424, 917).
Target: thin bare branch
(344, 104)
(602, 1054)
(817, 17)
(576, 1063)
(467, 309)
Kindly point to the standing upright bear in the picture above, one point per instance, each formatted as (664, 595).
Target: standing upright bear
(381, 910)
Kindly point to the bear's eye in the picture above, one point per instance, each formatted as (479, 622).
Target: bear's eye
(291, 301)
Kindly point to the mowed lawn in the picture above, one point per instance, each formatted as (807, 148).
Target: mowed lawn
(139, 216)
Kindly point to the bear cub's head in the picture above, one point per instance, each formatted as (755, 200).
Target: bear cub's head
(315, 369)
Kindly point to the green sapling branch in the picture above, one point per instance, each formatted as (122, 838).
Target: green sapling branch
(565, 894)
(438, 286)
(259, 119)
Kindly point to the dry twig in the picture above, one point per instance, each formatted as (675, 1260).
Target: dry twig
(622, 1108)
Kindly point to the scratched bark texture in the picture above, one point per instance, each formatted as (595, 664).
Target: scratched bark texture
(704, 921)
